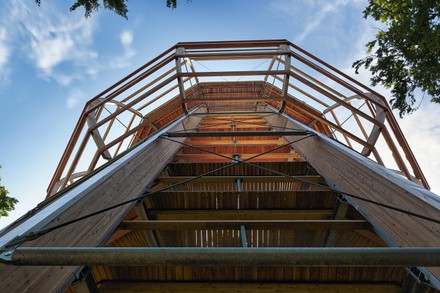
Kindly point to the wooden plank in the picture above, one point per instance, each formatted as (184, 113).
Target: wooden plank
(353, 173)
(285, 90)
(233, 73)
(233, 44)
(241, 214)
(253, 142)
(234, 99)
(232, 179)
(180, 82)
(249, 224)
(133, 177)
(195, 287)
(238, 133)
(237, 124)
(197, 55)
(216, 158)
(91, 122)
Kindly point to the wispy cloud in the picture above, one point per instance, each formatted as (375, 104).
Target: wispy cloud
(4, 50)
(126, 38)
(424, 141)
(59, 45)
(74, 97)
(50, 42)
(317, 19)
(4, 55)
(308, 16)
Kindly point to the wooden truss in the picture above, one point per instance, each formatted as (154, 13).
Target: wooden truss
(247, 166)
(276, 73)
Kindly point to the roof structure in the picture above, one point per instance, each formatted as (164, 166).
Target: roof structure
(248, 166)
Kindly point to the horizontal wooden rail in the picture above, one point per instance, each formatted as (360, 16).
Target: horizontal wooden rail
(227, 98)
(249, 224)
(237, 133)
(233, 73)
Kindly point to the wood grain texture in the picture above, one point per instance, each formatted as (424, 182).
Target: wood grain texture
(124, 183)
(349, 172)
(115, 287)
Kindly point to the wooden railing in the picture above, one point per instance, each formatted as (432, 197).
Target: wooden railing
(166, 87)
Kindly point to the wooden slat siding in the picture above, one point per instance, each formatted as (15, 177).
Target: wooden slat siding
(292, 168)
(141, 170)
(384, 286)
(347, 170)
(228, 199)
(277, 237)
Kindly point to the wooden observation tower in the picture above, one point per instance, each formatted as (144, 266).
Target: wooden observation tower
(248, 166)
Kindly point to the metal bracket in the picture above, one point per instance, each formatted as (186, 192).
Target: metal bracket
(6, 256)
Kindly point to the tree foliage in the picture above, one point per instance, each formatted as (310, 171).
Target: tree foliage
(7, 203)
(117, 6)
(406, 56)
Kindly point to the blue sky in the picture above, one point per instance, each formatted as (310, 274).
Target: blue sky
(52, 61)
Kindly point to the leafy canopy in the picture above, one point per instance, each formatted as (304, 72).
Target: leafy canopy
(7, 203)
(117, 6)
(406, 56)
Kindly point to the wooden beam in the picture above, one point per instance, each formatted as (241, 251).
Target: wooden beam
(285, 90)
(142, 215)
(238, 125)
(179, 80)
(125, 182)
(253, 142)
(232, 44)
(229, 113)
(235, 99)
(187, 214)
(237, 133)
(216, 158)
(338, 165)
(232, 179)
(249, 224)
(257, 287)
(234, 73)
(91, 122)
(213, 55)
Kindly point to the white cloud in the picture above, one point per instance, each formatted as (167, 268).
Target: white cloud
(50, 38)
(4, 55)
(421, 129)
(75, 97)
(308, 16)
(59, 45)
(4, 50)
(126, 39)
(317, 19)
